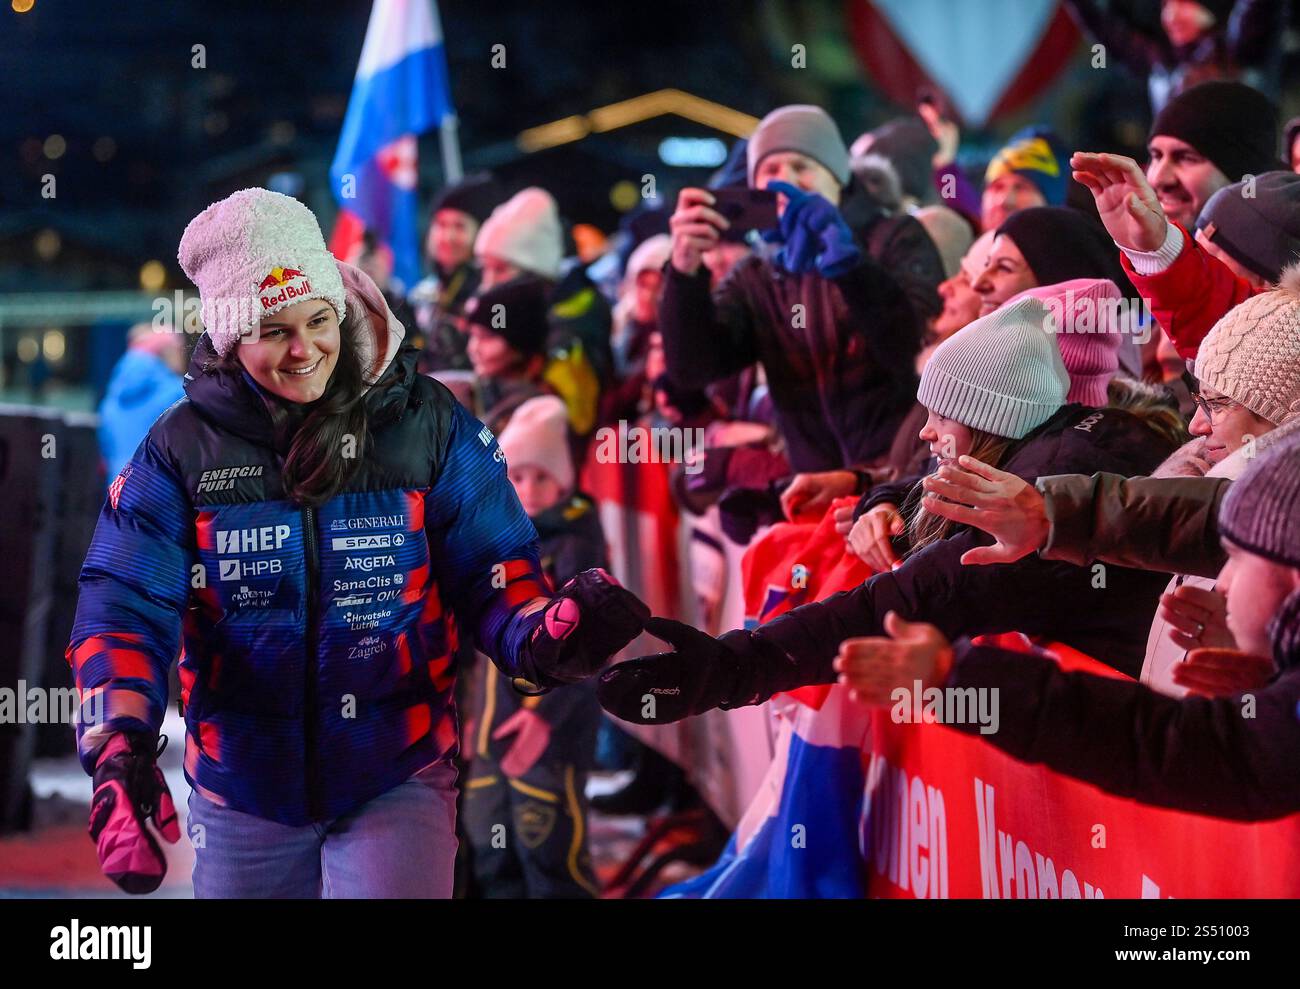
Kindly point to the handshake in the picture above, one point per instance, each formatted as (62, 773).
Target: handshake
(592, 618)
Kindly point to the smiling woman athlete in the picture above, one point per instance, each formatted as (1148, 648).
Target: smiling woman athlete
(311, 516)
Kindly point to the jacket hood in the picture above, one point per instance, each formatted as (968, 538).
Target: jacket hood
(1083, 440)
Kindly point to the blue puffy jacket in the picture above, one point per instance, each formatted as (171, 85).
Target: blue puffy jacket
(318, 642)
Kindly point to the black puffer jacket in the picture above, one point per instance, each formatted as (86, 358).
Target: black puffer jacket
(839, 353)
(1105, 613)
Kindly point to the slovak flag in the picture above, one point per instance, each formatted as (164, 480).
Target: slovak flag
(401, 90)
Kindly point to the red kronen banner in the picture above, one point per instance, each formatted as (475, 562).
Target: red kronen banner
(945, 814)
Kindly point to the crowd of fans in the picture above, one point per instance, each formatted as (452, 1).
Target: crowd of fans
(993, 389)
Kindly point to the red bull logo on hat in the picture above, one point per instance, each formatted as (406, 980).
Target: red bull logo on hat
(280, 276)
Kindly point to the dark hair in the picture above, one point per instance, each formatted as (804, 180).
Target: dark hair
(316, 467)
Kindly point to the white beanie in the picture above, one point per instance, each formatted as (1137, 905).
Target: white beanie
(977, 255)
(525, 230)
(650, 255)
(538, 435)
(1252, 354)
(251, 255)
(1002, 374)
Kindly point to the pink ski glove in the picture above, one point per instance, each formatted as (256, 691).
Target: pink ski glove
(130, 789)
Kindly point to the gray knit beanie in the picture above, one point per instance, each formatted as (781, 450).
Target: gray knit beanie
(804, 128)
(1002, 374)
(251, 255)
(1257, 225)
(1261, 511)
(1261, 514)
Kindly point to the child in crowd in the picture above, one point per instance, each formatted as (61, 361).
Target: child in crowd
(525, 806)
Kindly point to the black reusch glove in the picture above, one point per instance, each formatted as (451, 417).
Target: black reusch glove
(702, 674)
(587, 622)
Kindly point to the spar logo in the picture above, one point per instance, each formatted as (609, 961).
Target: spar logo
(381, 541)
(280, 277)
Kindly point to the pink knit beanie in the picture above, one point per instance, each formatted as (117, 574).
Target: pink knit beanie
(1088, 318)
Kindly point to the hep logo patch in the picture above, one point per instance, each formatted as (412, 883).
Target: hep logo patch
(115, 489)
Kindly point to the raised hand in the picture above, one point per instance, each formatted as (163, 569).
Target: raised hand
(1005, 506)
(1125, 200)
(874, 667)
(696, 227)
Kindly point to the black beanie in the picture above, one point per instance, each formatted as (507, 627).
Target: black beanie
(1059, 243)
(521, 319)
(478, 195)
(1232, 125)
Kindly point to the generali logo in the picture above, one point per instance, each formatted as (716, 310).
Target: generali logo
(280, 277)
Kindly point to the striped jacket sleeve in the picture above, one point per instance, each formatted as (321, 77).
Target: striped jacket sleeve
(133, 591)
(483, 547)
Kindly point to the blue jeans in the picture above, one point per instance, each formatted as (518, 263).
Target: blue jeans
(402, 844)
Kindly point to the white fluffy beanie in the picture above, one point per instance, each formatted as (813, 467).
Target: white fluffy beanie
(1252, 354)
(538, 434)
(251, 255)
(525, 230)
(650, 255)
(1003, 373)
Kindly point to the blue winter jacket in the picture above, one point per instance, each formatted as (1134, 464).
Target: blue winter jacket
(318, 642)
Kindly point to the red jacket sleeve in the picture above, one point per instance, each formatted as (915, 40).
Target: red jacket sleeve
(1191, 295)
